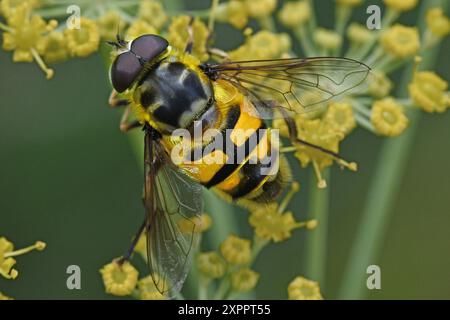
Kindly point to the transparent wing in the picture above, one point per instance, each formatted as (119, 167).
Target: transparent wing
(172, 201)
(296, 85)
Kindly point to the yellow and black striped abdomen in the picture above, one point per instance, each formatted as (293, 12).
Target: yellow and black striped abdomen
(247, 152)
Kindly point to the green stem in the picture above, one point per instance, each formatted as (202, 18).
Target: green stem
(305, 41)
(316, 250)
(384, 189)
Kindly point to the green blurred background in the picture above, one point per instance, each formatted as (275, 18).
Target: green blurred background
(69, 177)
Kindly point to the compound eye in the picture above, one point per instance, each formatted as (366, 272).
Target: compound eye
(124, 71)
(149, 46)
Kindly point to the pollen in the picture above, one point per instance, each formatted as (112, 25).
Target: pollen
(244, 280)
(388, 117)
(236, 250)
(211, 264)
(400, 41)
(429, 91)
(304, 289)
(119, 279)
(178, 35)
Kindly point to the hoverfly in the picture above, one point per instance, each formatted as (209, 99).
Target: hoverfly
(168, 89)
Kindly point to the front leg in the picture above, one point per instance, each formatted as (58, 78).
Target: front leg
(190, 42)
(116, 102)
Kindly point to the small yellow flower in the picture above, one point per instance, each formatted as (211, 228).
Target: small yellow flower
(400, 41)
(379, 84)
(141, 246)
(349, 3)
(261, 8)
(317, 132)
(7, 253)
(148, 290)
(401, 5)
(327, 39)
(197, 224)
(211, 264)
(272, 222)
(388, 117)
(84, 41)
(358, 33)
(236, 250)
(153, 13)
(25, 34)
(233, 12)
(438, 22)
(5, 297)
(429, 91)
(7, 7)
(139, 28)
(340, 117)
(262, 45)
(119, 279)
(272, 225)
(109, 25)
(294, 14)
(55, 48)
(178, 35)
(243, 280)
(304, 289)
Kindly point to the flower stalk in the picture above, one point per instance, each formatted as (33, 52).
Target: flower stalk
(385, 187)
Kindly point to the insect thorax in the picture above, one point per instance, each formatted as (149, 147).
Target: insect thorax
(174, 95)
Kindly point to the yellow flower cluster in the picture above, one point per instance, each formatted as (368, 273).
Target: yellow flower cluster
(7, 261)
(238, 12)
(438, 22)
(178, 35)
(388, 117)
(327, 39)
(350, 3)
(119, 279)
(211, 264)
(236, 250)
(401, 41)
(429, 91)
(304, 289)
(294, 13)
(401, 5)
(262, 45)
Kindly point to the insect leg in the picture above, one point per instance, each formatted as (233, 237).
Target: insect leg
(222, 55)
(293, 136)
(115, 102)
(130, 250)
(190, 43)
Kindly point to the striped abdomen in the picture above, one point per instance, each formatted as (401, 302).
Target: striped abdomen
(249, 156)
